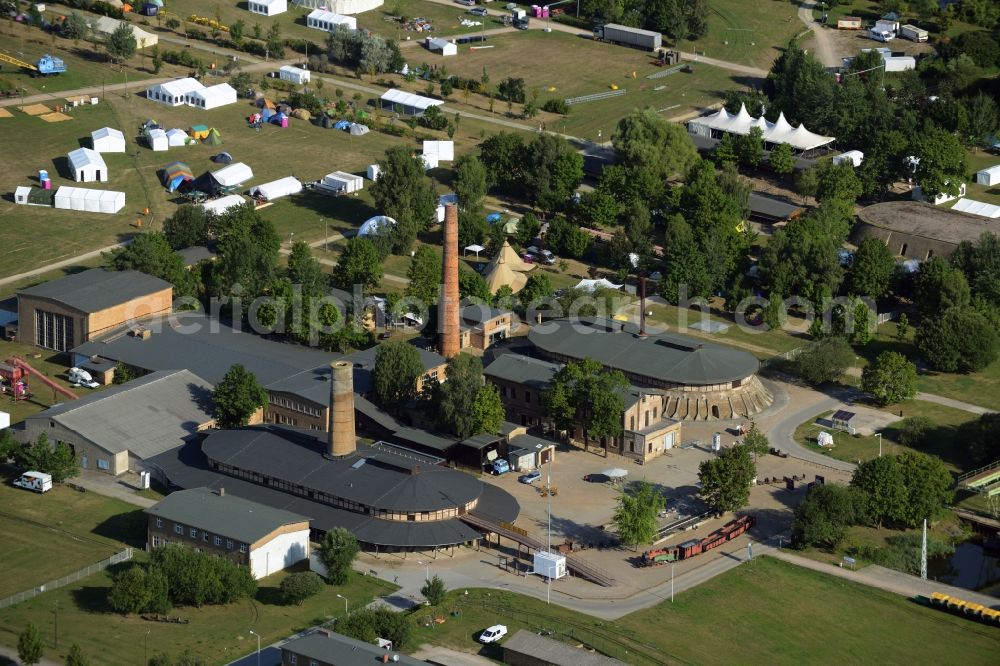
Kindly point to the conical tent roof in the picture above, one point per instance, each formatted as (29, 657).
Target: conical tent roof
(213, 138)
(508, 256)
(505, 269)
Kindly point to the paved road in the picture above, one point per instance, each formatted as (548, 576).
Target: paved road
(951, 402)
(781, 432)
(824, 41)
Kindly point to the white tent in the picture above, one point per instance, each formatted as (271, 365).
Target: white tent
(779, 131)
(191, 92)
(87, 166)
(222, 204)
(853, 156)
(295, 75)
(277, 188)
(157, 139)
(342, 181)
(105, 25)
(214, 96)
(375, 224)
(267, 7)
(443, 45)
(83, 199)
(234, 174)
(430, 161)
(411, 104)
(320, 19)
(918, 195)
(988, 176)
(357, 129)
(593, 285)
(177, 137)
(444, 151)
(108, 140)
(824, 439)
(980, 208)
(373, 171)
(341, 6)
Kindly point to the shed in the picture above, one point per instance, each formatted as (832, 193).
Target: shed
(988, 176)
(277, 188)
(849, 23)
(177, 137)
(222, 204)
(21, 194)
(853, 156)
(410, 104)
(108, 140)
(373, 171)
(267, 7)
(841, 420)
(157, 140)
(443, 45)
(87, 166)
(320, 19)
(232, 175)
(295, 75)
(343, 182)
(91, 201)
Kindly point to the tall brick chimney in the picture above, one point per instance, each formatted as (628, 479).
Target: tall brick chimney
(342, 440)
(448, 308)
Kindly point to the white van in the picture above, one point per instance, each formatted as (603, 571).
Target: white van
(40, 482)
(882, 35)
(80, 377)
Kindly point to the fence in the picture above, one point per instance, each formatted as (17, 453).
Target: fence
(593, 98)
(123, 556)
(789, 355)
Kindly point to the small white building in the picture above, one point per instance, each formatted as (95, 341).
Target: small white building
(157, 140)
(267, 7)
(988, 176)
(320, 19)
(108, 140)
(373, 171)
(88, 166)
(222, 204)
(854, 157)
(295, 75)
(342, 182)
(177, 137)
(918, 195)
(443, 45)
(549, 565)
(91, 201)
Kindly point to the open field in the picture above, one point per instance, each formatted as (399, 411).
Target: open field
(751, 33)
(772, 613)
(52, 535)
(216, 634)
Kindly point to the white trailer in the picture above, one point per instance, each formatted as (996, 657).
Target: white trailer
(40, 482)
(549, 565)
(913, 33)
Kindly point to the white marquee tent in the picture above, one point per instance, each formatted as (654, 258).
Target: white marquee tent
(267, 7)
(443, 45)
(980, 208)
(191, 92)
(92, 201)
(855, 157)
(340, 6)
(234, 174)
(222, 204)
(295, 75)
(780, 131)
(277, 188)
(989, 175)
(320, 19)
(157, 140)
(374, 224)
(87, 166)
(443, 151)
(411, 104)
(593, 285)
(213, 97)
(108, 140)
(343, 182)
(177, 137)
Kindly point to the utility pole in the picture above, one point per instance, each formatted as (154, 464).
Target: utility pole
(923, 553)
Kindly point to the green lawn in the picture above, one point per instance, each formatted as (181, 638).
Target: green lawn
(51, 535)
(217, 634)
(751, 33)
(767, 613)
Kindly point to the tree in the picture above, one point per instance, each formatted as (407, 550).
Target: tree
(358, 265)
(782, 160)
(394, 377)
(299, 586)
(459, 393)
(928, 486)
(57, 459)
(837, 181)
(76, 657)
(982, 438)
(891, 378)
(424, 274)
(337, 551)
(750, 147)
(29, 645)
(802, 259)
(984, 118)
(872, 269)
(806, 183)
(151, 253)
(160, 658)
(697, 18)
(503, 156)
(247, 246)
(404, 192)
(684, 263)
(470, 183)
(567, 239)
(822, 518)
(958, 340)
(130, 591)
(881, 479)
(537, 287)
(306, 271)
(368, 624)
(725, 480)
(980, 262)
(943, 162)
(825, 360)
(237, 397)
(527, 229)
(940, 286)
(553, 170)
(434, 591)
(188, 226)
(74, 27)
(121, 43)
(188, 658)
(584, 393)
(800, 86)
(488, 412)
(757, 441)
(652, 150)
(473, 286)
(636, 515)
(597, 208)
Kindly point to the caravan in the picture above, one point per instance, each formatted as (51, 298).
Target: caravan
(40, 482)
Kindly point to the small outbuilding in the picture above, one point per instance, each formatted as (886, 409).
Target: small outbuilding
(988, 176)
(108, 140)
(549, 565)
(849, 23)
(177, 137)
(294, 75)
(918, 195)
(854, 157)
(344, 183)
(267, 7)
(157, 140)
(437, 44)
(842, 420)
(88, 166)
(373, 171)
(222, 204)
(276, 189)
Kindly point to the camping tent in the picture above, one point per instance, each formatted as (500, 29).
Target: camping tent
(357, 129)
(264, 103)
(222, 158)
(233, 175)
(175, 174)
(593, 285)
(177, 137)
(506, 269)
(277, 188)
(222, 204)
(205, 183)
(198, 132)
(213, 138)
(989, 176)
(87, 165)
(93, 201)
(108, 140)
(157, 140)
(342, 182)
(374, 224)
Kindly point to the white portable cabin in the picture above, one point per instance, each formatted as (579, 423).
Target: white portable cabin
(343, 182)
(320, 19)
(222, 204)
(980, 208)
(267, 7)
(442, 151)
(295, 75)
(108, 140)
(373, 171)
(443, 45)
(277, 188)
(988, 176)
(157, 140)
(87, 200)
(177, 137)
(853, 156)
(232, 175)
(21, 194)
(549, 565)
(88, 166)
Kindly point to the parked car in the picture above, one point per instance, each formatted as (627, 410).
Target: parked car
(528, 258)
(530, 477)
(497, 467)
(79, 377)
(479, 11)
(493, 634)
(548, 257)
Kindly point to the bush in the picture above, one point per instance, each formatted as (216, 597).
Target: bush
(298, 587)
(556, 106)
(825, 360)
(914, 430)
(368, 624)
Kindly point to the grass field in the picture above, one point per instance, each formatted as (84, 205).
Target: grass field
(768, 613)
(52, 535)
(751, 33)
(216, 634)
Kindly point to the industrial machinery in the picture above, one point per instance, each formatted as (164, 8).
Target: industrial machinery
(688, 549)
(13, 372)
(47, 65)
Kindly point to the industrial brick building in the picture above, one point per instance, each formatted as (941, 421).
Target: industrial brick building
(482, 326)
(261, 537)
(64, 313)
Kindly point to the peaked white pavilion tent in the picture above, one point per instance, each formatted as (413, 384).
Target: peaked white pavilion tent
(980, 208)
(222, 204)
(780, 131)
(234, 174)
(88, 166)
(93, 201)
(277, 188)
(177, 137)
(108, 140)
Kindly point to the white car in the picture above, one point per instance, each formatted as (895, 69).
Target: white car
(79, 377)
(493, 634)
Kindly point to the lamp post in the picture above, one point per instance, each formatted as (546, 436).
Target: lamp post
(879, 435)
(671, 582)
(145, 647)
(258, 645)
(345, 603)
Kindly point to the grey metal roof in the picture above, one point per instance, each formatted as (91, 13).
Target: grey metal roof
(554, 652)
(522, 370)
(207, 346)
(475, 314)
(343, 651)
(146, 416)
(770, 208)
(387, 480)
(667, 357)
(226, 515)
(481, 441)
(423, 438)
(97, 289)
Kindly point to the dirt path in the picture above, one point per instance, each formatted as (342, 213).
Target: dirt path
(824, 42)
